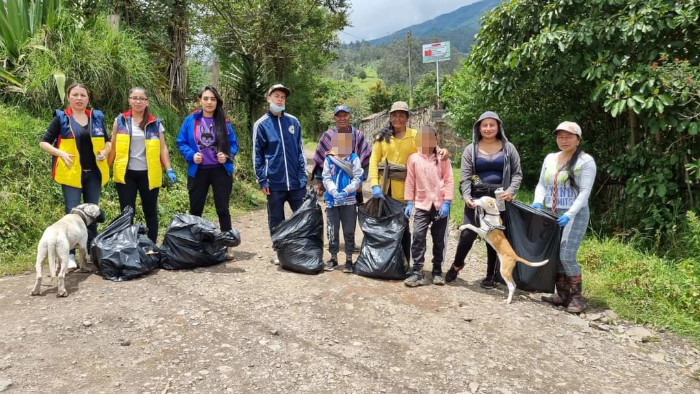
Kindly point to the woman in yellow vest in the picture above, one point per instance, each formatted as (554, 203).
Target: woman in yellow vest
(138, 156)
(79, 143)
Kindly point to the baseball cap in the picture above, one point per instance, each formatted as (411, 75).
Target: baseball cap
(278, 86)
(570, 127)
(340, 108)
(399, 106)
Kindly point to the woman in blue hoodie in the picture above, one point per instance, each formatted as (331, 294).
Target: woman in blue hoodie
(208, 144)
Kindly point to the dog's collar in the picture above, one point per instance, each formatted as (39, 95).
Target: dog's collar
(82, 215)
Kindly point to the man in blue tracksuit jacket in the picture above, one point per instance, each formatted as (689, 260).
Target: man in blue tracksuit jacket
(278, 157)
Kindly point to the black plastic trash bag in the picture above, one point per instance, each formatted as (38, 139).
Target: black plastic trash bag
(191, 242)
(298, 240)
(535, 236)
(123, 251)
(383, 223)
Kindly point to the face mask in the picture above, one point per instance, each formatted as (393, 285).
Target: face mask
(276, 108)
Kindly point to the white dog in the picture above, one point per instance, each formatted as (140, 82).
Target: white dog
(59, 238)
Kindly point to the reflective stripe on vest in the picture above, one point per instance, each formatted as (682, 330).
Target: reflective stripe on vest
(123, 144)
(67, 143)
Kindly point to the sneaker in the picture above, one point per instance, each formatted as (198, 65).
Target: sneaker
(331, 265)
(229, 253)
(72, 264)
(348, 267)
(414, 280)
(451, 274)
(488, 283)
(275, 260)
(438, 280)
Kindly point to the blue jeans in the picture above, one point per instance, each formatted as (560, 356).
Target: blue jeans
(571, 240)
(275, 204)
(90, 193)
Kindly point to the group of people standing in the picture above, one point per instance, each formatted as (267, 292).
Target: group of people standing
(418, 174)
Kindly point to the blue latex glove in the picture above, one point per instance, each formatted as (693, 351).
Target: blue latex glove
(377, 192)
(445, 209)
(563, 220)
(536, 205)
(339, 195)
(408, 210)
(171, 175)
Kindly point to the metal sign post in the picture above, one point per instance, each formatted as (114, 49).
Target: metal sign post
(436, 52)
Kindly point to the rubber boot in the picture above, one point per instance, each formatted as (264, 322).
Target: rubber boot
(561, 297)
(576, 304)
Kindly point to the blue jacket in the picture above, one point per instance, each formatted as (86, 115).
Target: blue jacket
(335, 179)
(278, 152)
(187, 143)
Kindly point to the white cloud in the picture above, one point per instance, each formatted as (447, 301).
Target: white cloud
(376, 18)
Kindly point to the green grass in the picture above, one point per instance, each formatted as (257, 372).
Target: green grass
(638, 286)
(32, 200)
(368, 82)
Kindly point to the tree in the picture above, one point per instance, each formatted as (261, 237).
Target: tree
(362, 75)
(602, 59)
(379, 98)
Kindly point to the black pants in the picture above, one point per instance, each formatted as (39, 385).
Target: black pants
(438, 231)
(275, 204)
(467, 237)
(347, 216)
(222, 185)
(137, 181)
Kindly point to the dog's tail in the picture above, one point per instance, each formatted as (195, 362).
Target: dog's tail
(533, 264)
(51, 249)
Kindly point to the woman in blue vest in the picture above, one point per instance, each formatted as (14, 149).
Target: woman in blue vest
(138, 156)
(208, 144)
(79, 143)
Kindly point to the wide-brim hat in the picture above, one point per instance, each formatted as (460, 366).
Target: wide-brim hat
(399, 106)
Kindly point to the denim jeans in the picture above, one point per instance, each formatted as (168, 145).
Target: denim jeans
(90, 193)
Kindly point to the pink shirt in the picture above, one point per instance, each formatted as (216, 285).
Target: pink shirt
(428, 183)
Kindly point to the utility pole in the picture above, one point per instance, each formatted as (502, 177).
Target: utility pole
(410, 80)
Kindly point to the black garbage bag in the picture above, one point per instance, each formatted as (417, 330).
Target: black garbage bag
(123, 251)
(298, 240)
(191, 242)
(381, 256)
(535, 236)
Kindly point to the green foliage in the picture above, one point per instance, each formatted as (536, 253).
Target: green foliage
(332, 93)
(379, 97)
(32, 200)
(71, 50)
(362, 74)
(641, 287)
(604, 64)
(20, 19)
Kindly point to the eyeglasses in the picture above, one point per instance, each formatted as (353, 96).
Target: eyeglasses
(138, 98)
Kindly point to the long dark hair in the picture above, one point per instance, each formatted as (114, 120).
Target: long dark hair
(146, 112)
(222, 144)
(569, 168)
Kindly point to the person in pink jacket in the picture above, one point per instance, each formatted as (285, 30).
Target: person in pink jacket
(429, 188)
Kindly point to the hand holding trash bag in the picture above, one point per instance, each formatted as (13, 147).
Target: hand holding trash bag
(377, 192)
(408, 210)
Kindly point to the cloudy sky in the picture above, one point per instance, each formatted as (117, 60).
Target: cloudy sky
(376, 18)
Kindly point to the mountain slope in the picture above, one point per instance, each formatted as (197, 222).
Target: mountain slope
(458, 26)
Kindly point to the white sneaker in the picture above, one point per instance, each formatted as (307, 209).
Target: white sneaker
(276, 261)
(72, 264)
(229, 254)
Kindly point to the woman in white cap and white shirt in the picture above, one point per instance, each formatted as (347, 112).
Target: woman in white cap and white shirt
(566, 181)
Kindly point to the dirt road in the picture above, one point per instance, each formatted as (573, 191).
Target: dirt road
(247, 326)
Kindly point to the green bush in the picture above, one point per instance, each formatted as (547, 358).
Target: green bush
(108, 62)
(32, 200)
(642, 287)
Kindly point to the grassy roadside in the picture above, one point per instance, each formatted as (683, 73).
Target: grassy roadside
(638, 286)
(32, 200)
